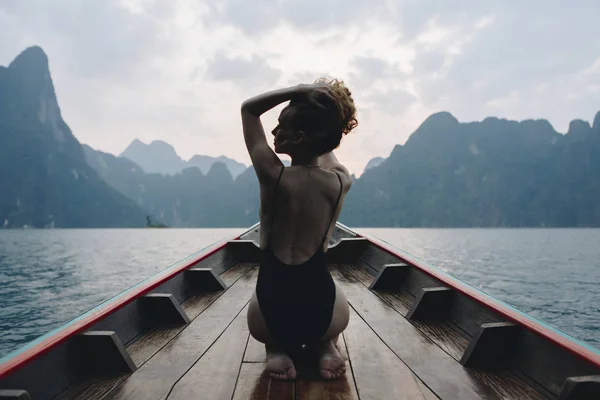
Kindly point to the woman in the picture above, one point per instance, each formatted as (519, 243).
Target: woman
(296, 304)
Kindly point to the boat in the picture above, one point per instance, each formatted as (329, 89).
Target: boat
(415, 332)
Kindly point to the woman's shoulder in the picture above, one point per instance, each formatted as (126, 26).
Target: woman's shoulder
(341, 175)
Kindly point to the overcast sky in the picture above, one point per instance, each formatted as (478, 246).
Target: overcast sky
(178, 70)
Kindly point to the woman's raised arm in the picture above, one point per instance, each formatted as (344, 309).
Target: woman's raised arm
(266, 163)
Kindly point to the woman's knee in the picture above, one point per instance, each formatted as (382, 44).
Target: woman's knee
(340, 316)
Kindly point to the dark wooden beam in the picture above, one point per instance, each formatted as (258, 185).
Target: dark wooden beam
(100, 353)
(14, 395)
(431, 303)
(581, 388)
(492, 347)
(245, 250)
(390, 277)
(347, 250)
(204, 280)
(162, 309)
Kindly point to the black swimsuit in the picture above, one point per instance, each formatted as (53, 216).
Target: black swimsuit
(296, 300)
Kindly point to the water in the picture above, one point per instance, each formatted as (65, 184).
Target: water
(49, 277)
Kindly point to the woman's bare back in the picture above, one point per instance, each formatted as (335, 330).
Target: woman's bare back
(303, 208)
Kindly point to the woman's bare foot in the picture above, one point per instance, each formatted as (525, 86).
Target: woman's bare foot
(331, 363)
(280, 365)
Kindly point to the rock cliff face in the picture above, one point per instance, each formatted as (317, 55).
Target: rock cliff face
(490, 173)
(44, 176)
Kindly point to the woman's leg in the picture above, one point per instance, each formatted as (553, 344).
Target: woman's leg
(279, 364)
(331, 362)
(340, 317)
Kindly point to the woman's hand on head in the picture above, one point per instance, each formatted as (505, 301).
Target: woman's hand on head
(318, 94)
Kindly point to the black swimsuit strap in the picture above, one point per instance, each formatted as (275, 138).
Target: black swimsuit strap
(274, 203)
(334, 210)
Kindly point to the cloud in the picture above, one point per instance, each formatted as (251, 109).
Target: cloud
(241, 70)
(178, 70)
(394, 101)
(252, 17)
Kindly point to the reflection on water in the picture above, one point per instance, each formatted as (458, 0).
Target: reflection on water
(48, 277)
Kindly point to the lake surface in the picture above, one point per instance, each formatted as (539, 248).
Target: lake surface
(48, 277)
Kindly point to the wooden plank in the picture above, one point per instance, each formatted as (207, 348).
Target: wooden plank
(440, 372)
(128, 322)
(416, 280)
(140, 350)
(390, 277)
(219, 262)
(46, 376)
(204, 280)
(366, 267)
(144, 347)
(548, 364)
(214, 376)
(454, 342)
(507, 385)
(378, 372)
(230, 276)
(254, 383)
(164, 309)
(245, 250)
(555, 338)
(97, 353)
(14, 395)
(402, 301)
(493, 347)
(134, 321)
(431, 303)
(427, 393)
(448, 337)
(150, 343)
(180, 285)
(375, 258)
(445, 336)
(347, 250)
(155, 378)
(581, 388)
(469, 315)
(310, 386)
(95, 388)
(255, 352)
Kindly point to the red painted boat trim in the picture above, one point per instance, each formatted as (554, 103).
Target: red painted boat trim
(491, 303)
(31, 354)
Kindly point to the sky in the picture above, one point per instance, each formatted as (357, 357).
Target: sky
(178, 70)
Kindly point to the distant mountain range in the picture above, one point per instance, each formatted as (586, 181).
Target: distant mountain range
(185, 199)
(448, 174)
(484, 174)
(160, 157)
(374, 162)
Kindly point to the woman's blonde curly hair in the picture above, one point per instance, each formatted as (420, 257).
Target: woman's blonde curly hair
(344, 103)
(329, 119)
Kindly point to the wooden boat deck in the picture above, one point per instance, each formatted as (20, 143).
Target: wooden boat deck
(214, 357)
(414, 333)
